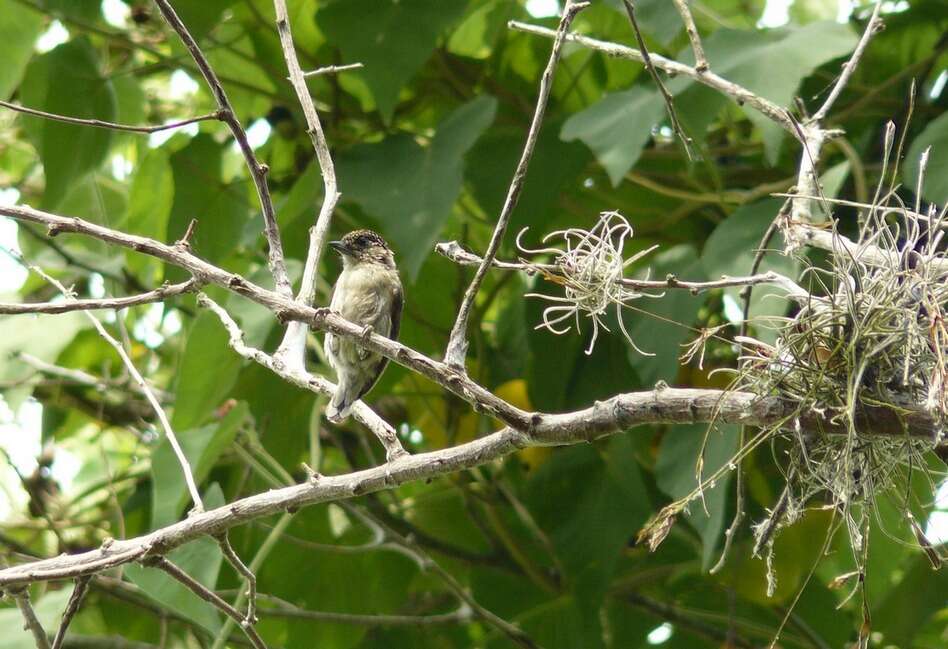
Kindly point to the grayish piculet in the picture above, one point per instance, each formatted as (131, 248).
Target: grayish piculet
(368, 293)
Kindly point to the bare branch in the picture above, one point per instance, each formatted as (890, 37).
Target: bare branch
(874, 26)
(736, 92)
(615, 415)
(303, 379)
(257, 170)
(158, 295)
(701, 62)
(234, 560)
(292, 348)
(453, 251)
(457, 344)
(283, 609)
(72, 607)
(333, 69)
(98, 123)
(208, 596)
(30, 621)
(686, 141)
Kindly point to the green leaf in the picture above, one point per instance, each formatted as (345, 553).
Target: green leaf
(730, 251)
(149, 204)
(200, 17)
(202, 446)
(19, 28)
(43, 336)
(935, 186)
(410, 189)
(373, 33)
(661, 325)
(617, 128)
(87, 10)
(200, 192)
(206, 372)
(67, 81)
(201, 559)
(48, 608)
(675, 473)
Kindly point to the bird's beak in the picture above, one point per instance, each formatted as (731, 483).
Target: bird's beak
(339, 247)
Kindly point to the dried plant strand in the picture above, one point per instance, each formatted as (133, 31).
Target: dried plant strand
(591, 268)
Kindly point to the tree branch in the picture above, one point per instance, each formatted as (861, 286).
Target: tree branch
(701, 62)
(30, 621)
(293, 347)
(457, 343)
(158, 295)
(72, 607)
(737, 92)
(257, 170)
(98, 123)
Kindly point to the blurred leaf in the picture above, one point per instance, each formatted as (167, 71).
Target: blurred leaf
(660, 326)
(410, 189)
(19, 28)
(675, 473)
(67, 81)
(206, 372)
(202, 447)
(935, 135)
(201, 193)
(730, 250)
(149, 205)
(903, 611)
(201, 559)
(372, 32)
(617, 128)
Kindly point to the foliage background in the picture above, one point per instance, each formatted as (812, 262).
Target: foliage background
(425, 139)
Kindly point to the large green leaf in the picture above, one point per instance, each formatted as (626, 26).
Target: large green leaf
(67, 81)
(200, 192)
(935, 186)
(373, 33)
(410, 189)
(617, 128)
(19, 28)
(206, 372)
(676, 475)
(202, 447)
(149, 204)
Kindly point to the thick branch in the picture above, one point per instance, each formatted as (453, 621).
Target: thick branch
(292, 348)
(457, 343)
(157, 295)
(614, 415)
(738, 93)
(31, 623)
(257, 170)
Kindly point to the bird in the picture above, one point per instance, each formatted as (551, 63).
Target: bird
(368, 292)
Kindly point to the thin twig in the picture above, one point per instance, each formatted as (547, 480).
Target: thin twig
(303, 379)
(98, 123)
(686, 141)
(453, 251)
(292, 349)
(457, 343)
(234, 560)
(333, 69)
(737, 92)
(874, 25)
(30, 621)
(72, 607)
(139, 380)
(701, 62)
(158, 295)
(257, 170)
(208, 596)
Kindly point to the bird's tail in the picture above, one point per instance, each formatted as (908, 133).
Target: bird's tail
(341, 403)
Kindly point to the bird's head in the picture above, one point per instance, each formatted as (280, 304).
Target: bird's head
(364, 246)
